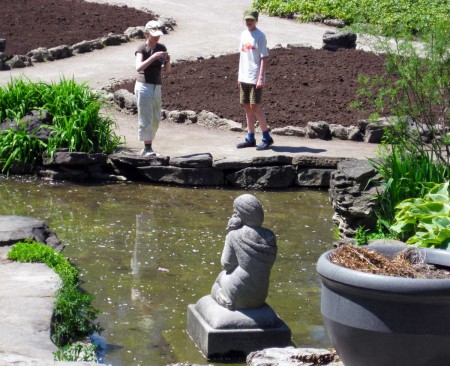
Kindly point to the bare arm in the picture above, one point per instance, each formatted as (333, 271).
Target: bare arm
(262, 70)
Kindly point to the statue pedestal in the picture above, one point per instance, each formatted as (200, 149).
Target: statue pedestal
(222, 333)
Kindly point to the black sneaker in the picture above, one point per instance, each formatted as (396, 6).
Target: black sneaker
(246, 143)
(265, 144)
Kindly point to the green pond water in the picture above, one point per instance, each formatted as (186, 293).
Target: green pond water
(145, 252)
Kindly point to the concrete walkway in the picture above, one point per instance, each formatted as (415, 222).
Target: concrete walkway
(204, 28)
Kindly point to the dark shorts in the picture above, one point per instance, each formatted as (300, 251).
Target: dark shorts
(248, 94)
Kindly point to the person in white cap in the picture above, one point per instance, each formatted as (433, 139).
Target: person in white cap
(151, 58)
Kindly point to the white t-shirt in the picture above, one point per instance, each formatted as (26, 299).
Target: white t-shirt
(252, 48)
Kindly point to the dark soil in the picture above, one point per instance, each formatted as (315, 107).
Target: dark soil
(303, 84)
(29, 24)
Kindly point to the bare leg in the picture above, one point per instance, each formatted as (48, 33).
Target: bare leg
(259, 115)
(250, 117)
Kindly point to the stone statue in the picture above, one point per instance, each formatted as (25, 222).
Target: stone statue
(247, 258)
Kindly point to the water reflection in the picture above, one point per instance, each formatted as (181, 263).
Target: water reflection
(146, 252)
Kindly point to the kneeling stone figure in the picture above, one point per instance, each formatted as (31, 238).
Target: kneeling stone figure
(247, 258)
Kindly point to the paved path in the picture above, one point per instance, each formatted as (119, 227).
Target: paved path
(204, 28)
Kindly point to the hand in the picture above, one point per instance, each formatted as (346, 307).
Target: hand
(260, 83)
(159, 54)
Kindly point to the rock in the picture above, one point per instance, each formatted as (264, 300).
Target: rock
(114, 39)
(333, 41)
(263, 177)
(318, 130)
(60, 52)
(18, 61)
(307, 177)
(317, 161)
(184, 176)
(353, 186)
(82, 47)
(40, 54)
(272, 160)
(290, 356)
(135, 32)
(68, 158)
(18, 228)
(187, 117)
(290, 131)
(126, 100)
(231, 163)
(375, 132)
(192, 161)
(346, 133)
(335, 23)
(210, 119)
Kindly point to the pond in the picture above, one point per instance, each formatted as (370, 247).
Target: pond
(146, 252)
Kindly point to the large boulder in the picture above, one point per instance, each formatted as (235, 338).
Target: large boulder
(14, 229)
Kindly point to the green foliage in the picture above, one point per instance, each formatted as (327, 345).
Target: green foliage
(401, 171)
(17, 146)
(364, 236)
(77, 352)
(74, 315)
(425, 222)
(31, 251)
(387, 16)
(78, 123)
(416, 93)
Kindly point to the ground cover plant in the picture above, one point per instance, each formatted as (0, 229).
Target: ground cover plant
(425, 222)
(74, 316)
(389, 16)
(76, 121)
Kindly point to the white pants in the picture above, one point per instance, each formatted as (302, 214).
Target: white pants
(148, 98)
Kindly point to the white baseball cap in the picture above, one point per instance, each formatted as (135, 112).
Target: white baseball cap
(154, 28)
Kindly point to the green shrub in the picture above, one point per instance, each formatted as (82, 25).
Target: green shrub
(74, 314)
(425, 222)
(78, 123)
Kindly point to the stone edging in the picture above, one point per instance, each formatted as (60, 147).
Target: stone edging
(43, 54)
(371, 132)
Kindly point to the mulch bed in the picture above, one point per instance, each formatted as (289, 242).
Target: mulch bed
(409, 263)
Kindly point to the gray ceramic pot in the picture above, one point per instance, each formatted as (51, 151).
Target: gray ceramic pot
(375, 320)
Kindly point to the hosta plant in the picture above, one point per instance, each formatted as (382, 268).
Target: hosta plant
(425, 222)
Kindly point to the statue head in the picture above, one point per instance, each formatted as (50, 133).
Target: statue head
(249, 210)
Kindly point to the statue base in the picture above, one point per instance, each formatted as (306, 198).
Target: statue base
(220, 333)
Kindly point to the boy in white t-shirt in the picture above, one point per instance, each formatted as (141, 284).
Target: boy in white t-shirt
(251, 79)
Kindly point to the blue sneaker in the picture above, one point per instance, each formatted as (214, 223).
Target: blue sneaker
(246, 143)
(265, 144)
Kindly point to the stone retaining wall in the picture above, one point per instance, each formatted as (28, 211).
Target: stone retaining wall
(352, 183)
(274, 172)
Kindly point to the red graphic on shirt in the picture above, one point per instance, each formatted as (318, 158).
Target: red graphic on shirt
(247, 47)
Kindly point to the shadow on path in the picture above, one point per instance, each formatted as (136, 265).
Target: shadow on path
(297, 149)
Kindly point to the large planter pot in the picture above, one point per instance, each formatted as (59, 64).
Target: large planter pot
(375, 320)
